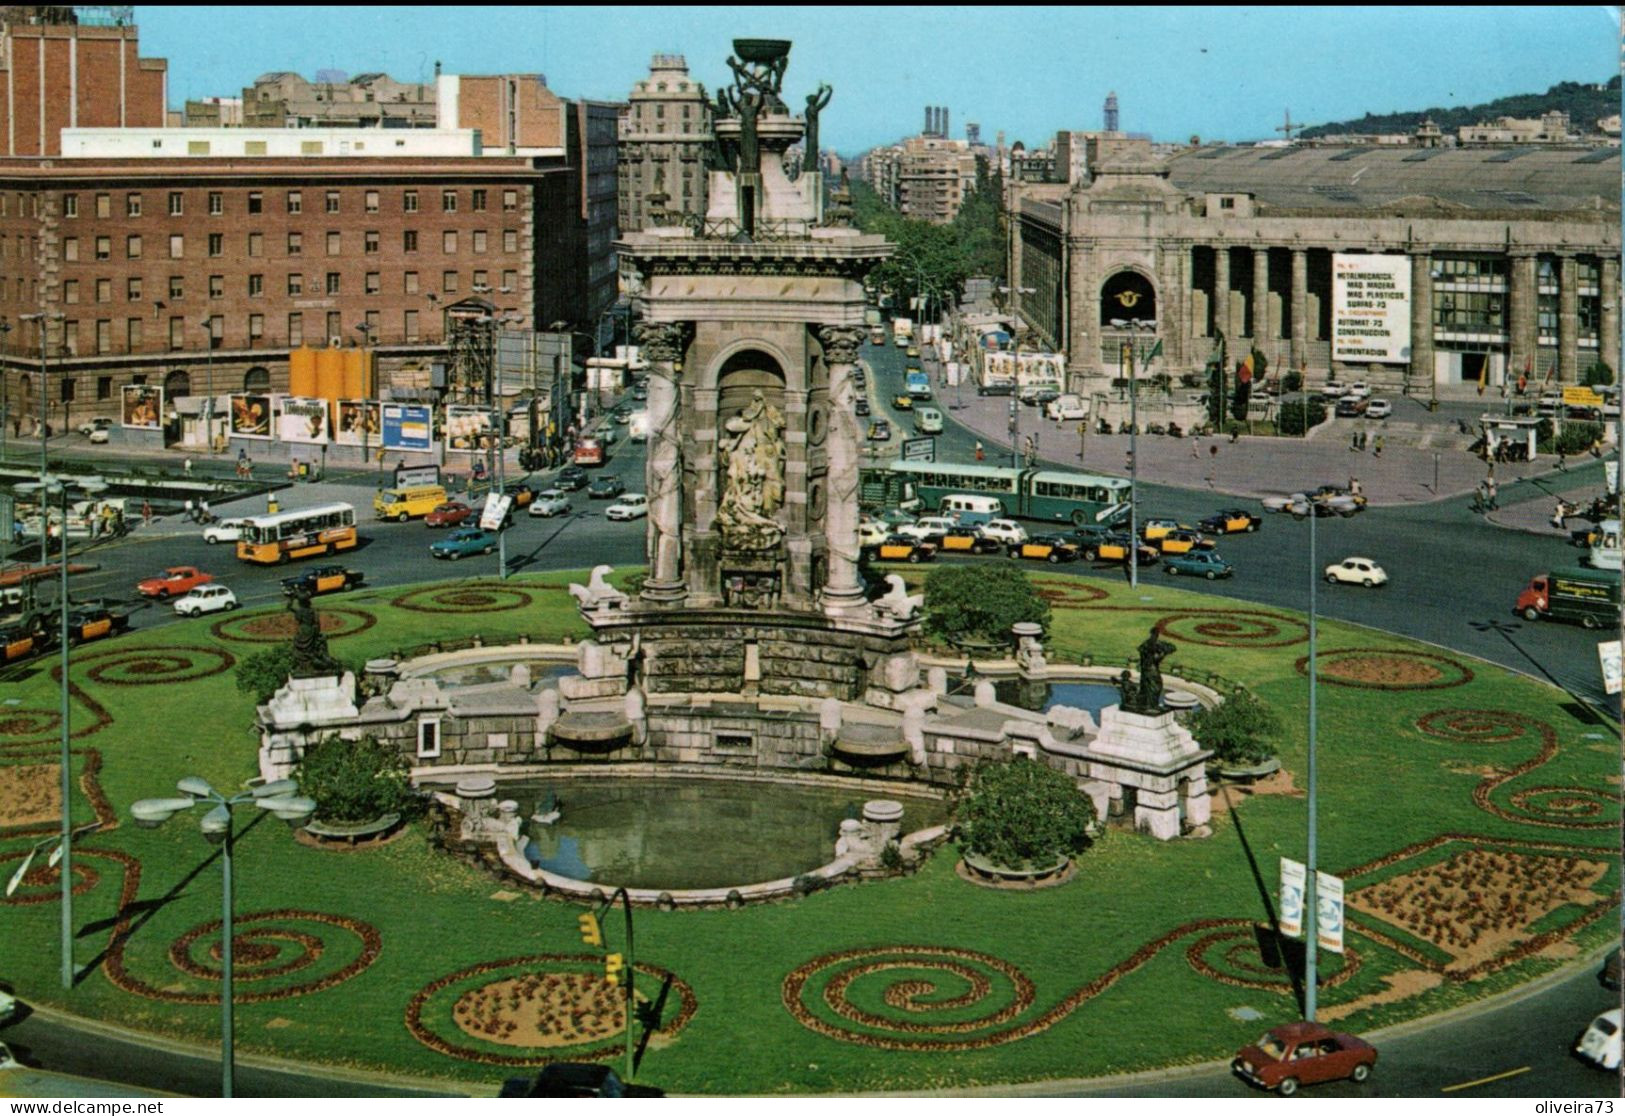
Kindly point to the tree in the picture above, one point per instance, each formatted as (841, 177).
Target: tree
(1240, 730)
(356, 781)
(980, 602)
(1300, 415)
(1598, 374)
(1021, 812)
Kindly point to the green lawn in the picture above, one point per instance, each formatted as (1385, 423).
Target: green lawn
(1021, 986)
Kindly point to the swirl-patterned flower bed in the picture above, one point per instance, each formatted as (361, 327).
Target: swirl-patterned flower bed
(548, 1007)
(279, 627)
(153, 666)
(1387, 669)
(479, 596)
(1232, 628)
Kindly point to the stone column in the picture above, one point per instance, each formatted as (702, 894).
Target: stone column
(1609, 341)
(1081, 343)
(1221, 294)
(1422, 320)
(663, 344)
(1521, 291)
(1261, 296)
(1300, 308)
(1568, 324)
(843, 589)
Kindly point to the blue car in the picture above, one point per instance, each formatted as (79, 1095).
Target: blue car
(469, 540)
(1201, 563)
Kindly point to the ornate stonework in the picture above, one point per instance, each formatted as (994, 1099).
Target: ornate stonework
(661, 341)
(841, 343)
(751, 454)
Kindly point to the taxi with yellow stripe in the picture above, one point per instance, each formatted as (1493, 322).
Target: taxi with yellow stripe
(95, 623)
(901, 548)
(1046, 548)
(968, 540)
(1153, 529)
(1115, 548)
(1183, 542)
(17, 642)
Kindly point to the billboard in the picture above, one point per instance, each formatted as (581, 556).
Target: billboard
(142, 406)
(468, 428)
(1371, 308)
(302, 420)
(1329, 911)
(1293, 880)
(406, 426)
(358, 423)
(251, 415)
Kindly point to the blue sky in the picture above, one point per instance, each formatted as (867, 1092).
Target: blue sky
(1221, 73)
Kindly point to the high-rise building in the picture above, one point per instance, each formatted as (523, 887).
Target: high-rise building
(664, 139)
(1110, 113)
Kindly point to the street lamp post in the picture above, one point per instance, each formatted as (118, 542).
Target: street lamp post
(1011, 302)
(5, 380)
(207, 325)
(46, 487)
(366, 331)
(42, 317)
(282, 798)
(1310, 977)
(1133, 325)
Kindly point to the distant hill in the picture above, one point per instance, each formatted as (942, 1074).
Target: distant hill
(1585, 104)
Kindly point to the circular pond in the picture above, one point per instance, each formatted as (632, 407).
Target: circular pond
(679, 834)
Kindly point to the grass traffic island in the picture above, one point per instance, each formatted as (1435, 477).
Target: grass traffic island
(1472, 813)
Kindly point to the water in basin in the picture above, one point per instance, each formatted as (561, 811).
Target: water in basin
(1040, 697)
(675, 834)
(498, 670)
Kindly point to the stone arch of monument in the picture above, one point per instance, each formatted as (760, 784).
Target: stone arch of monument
(1128, 294)
(744, 369)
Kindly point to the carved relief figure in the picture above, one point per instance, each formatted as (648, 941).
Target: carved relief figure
(752, 447)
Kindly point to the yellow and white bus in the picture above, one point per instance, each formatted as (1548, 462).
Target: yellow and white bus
(303, 533)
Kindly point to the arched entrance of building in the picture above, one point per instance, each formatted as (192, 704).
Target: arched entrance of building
(178, 383)
(1128, 296)
(257, 379)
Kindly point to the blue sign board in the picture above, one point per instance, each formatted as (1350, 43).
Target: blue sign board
(407, 426)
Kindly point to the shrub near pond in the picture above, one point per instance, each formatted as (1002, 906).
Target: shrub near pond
(1020, 812)
(981, 602)
(1240, 730)
(356, 781)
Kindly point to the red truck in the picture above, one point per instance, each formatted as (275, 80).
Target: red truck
(176, 581)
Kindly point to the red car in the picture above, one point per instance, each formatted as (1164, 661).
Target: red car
(1295, 1054)
(449, 514)
(177, 581)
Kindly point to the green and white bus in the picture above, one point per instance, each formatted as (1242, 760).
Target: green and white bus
(1051, 495)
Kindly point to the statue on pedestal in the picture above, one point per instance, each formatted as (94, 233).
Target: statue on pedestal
(816, 103)
(1146, 696)
(311, 658)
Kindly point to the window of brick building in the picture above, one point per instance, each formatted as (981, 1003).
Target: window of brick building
(477, 201)
(132, 247)
(256, 328)
(256, 201)
(104, 336)
(448, 201)
(332, 282)
(217, 330)
(409, 240)
(371, 200)
(70, 345)
(448, 282)
(217, 245)
(70, 205)
(296, 244)
(335, 326)
(296, 284)
(70, 291)
(374, 282)
(177, 246)
(132, 205)
(448, 241)
(217, 286)
(104, 247)
(256, 244)
(409, 202)
(296, 328)
(410, 325)
(510, 200)
(104, 290)
(132, 289)
(177, 286)
(70, 248)
(104, 387)
(482, 279)
(510, 280)
(334, 244)
(132, 334)
(296, 202)
(176, 203)
(411, 281)
(372, 318)
(217, 203)
(510, 240)
(104, 205)
(256, 286)
(332, 201)
(479, 240)
(369, 241)
(67, 393)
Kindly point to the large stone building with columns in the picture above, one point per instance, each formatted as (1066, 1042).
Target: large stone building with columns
(1513, 258)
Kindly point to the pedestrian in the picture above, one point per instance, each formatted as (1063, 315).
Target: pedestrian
(1128, 461)
(1376, 447)
(146, 513)
(1491, 488)
(1557, 515)
(1195, 447)
(1562, 461)
(979, 454)
(1354, 442)
(186, 466)
(1480, 497)
(203, 508)
(191, 511)
(1355, 488)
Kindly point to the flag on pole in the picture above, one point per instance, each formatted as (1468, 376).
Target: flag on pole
(1156, 351)
(1484, 374)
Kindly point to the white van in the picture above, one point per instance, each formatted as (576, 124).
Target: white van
(927, 420)
(1600, 1044)
(1605, 552)
(970, 510)
(1067, 407)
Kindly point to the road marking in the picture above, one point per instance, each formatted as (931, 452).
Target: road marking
(1485, 1080)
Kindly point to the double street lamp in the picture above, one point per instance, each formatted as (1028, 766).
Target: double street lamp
(45, 488)
(1134, 326)
(282, 799)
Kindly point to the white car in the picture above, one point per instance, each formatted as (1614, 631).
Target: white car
(1600, 1044)
(1006, 531)
(206, 598)
(927, 527)
(227, 530)
(872, 532)
(1378, 409)
(1358, 390)
(1067, 407)
(634, 505)
(100, 437)
(92, 425)
(550, 502)
(1356, 571)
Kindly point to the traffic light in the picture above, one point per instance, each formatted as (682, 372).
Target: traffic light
(612, 968)
(590, 932)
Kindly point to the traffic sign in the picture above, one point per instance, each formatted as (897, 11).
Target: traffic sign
(920, 449)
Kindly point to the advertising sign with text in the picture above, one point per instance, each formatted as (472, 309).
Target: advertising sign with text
(407, 426)
(1329, 911)
(1292, 887)
(302, 420)
(1371, 309)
